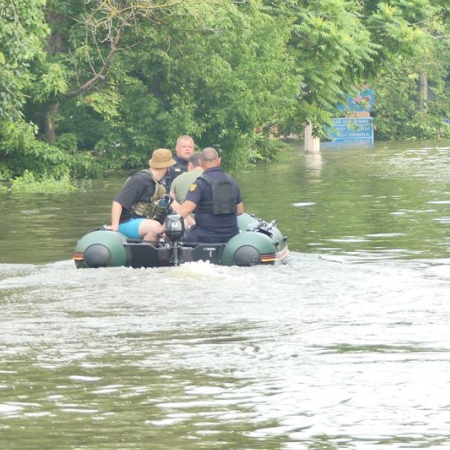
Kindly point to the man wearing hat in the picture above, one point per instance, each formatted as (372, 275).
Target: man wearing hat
(136, 209)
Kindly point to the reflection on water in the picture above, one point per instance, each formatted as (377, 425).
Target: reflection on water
(313, 163)
(345, 347)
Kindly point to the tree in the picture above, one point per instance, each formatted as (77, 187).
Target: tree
(414, 51)
(95, 85)
(124, 77)
(333, 53)
(21, 31)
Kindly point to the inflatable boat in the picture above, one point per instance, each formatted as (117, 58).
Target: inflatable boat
(258, 242)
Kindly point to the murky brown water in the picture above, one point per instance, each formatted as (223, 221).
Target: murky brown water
(345, 347)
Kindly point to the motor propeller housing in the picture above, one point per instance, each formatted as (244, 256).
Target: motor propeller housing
(174, 227)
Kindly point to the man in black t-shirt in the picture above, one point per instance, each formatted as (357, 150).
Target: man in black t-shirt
(136, 207)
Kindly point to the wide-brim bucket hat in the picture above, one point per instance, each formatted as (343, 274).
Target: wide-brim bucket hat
(161, 159)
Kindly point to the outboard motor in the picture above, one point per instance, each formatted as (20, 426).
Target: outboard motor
(174, 231)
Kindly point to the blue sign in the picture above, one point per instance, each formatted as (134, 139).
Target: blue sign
(352, 130)
(363, 101)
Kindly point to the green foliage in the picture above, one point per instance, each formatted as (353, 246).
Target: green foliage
(220, 78)
(333, 52)
(93, 86)
(52, 83)
(20, 151)
(404, 27)
(414, 39)
(215, 70)
(268, 149)
(46, 184)
(398, 115)
(22, 28)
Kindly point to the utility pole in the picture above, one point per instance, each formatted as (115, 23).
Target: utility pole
(312, 144)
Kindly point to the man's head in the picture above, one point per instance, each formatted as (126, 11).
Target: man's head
(185, 147)
(194, 161)
(209, 158)
(161, 160)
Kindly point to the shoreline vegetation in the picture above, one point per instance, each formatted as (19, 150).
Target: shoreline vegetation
(88, 88)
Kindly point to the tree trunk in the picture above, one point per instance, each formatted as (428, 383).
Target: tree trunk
(49, 125)
(423, 91)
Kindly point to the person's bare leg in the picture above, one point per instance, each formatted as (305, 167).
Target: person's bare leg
(150, 229)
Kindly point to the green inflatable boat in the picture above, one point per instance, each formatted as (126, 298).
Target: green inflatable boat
(258, 242)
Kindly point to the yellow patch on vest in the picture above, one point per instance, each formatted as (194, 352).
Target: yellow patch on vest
(192, 187)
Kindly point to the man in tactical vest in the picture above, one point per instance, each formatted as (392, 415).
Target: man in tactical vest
(217, 202)
(138, 210)
(185, 147)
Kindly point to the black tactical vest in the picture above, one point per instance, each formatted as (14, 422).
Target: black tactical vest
(223, 196)
(149, 208)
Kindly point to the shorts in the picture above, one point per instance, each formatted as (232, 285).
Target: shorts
(130, 228)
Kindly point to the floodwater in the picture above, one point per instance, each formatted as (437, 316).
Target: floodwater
(347, 346)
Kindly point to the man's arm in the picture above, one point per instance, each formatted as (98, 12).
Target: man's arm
(116, 211)
(240, 209)
(186, 208)
(175, 205)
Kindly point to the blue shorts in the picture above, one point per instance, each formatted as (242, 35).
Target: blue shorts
(130, 228)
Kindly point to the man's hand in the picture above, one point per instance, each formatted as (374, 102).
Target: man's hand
(110, 228)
